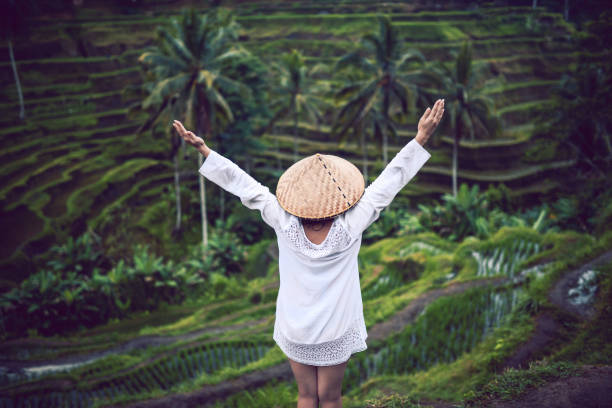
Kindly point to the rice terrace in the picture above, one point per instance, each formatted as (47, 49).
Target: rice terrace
(128, 279)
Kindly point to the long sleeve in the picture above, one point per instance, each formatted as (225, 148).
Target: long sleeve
(378, 195)
(227, 175)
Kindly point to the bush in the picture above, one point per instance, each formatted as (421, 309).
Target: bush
(60, 301)
(225, 252)
(81, 255)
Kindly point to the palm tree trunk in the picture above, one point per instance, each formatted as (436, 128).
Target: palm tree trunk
(278, 160)
(221, 196)
(203, 196)
(203, 204)
(364, 153)
(535, 4)
(17, 83)
(385, 144)
(386, 116)
(566, 11)
(455, 159)
(177, 192)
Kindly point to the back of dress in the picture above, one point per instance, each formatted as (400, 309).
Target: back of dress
(319, 311)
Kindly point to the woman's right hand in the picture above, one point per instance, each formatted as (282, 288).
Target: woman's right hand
(429, 121)
(191, 138)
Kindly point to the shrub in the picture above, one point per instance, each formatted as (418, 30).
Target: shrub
(225, 252)
(59, 301)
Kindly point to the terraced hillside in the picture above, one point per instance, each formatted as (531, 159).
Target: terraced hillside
(450, 313)
(75, 161)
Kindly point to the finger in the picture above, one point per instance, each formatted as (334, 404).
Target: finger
(178, 129)
(181, 127)
(436, 107)
(426, 114)
(439, 108)
(440, 112)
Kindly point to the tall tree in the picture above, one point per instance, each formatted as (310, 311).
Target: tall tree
(187, 70)
(581, 115)
(296, 94)
(355, 116)
(12, 23)
(384, 84)
(469, 108)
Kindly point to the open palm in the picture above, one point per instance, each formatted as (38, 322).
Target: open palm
(188, 135)
(430, 121)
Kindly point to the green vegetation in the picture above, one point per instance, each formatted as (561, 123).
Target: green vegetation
(512, 382)
(101, 209)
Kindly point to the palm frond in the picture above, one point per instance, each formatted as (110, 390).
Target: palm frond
(217, 99)
(176, 45)
(463, 64)
(164, 88)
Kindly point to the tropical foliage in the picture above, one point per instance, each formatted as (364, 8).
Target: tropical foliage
(75, 290)
(295, 93)
(382, 92)
(187, 73)
(468, 110)
(581, 116)
(227, 288)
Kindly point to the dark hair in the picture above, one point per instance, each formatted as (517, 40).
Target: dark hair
(315, 220)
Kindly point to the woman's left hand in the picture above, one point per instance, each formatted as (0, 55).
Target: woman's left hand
(191, 138)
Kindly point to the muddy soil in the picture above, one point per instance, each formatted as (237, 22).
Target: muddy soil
(547, 327)
(592, 388)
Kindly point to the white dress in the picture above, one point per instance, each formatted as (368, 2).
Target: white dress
(319, 310)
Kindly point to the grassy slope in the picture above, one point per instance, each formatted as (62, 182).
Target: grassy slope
(449, 381)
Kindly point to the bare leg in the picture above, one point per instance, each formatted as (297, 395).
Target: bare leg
(306, 378)
(329, 385)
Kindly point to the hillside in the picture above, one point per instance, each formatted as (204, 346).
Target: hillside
(75, 162)
(442, 318)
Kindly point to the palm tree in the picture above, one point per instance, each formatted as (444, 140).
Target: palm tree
(296, 95)
(354, 116)
(468, 107)
(581, 116)
(187, 73)
(12, 21)
(383, 85)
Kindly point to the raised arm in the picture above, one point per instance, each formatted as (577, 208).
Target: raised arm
(396, 174)
(227, 175)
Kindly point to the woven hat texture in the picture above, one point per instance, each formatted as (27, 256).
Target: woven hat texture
(320, 186)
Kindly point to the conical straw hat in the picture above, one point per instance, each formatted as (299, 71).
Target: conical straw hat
(320, 186)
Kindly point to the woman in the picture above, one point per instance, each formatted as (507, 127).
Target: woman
(319, 213)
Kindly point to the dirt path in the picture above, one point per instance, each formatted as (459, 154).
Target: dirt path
(282, 371)
(547, 328)
(592, 388)
(559, 296)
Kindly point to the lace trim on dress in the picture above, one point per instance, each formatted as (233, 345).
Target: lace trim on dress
(337, 239)
(325, 354)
